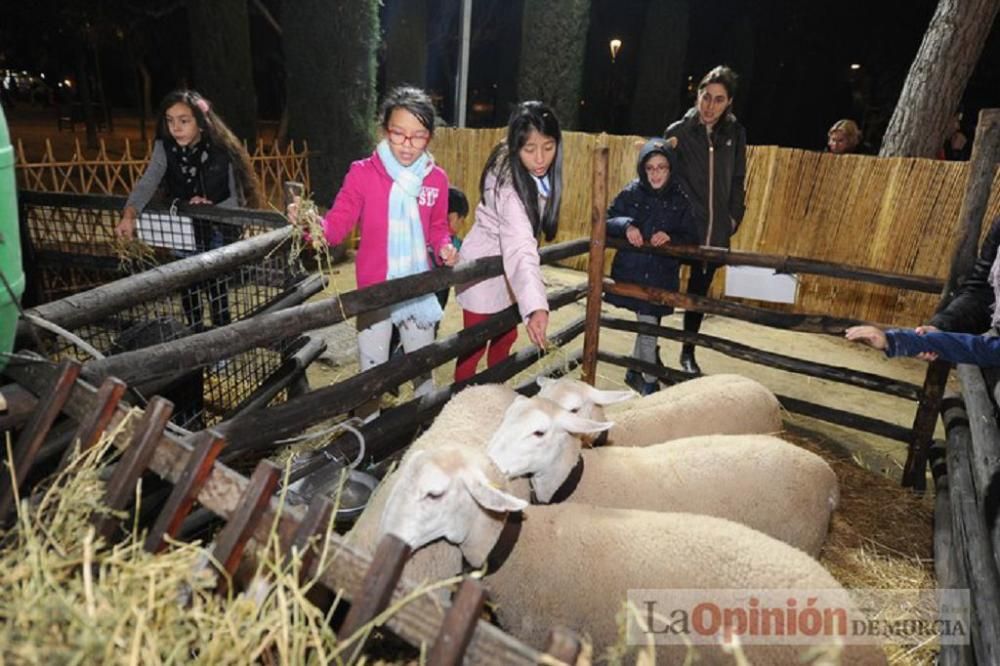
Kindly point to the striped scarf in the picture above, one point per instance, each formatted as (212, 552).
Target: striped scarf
(405, 245)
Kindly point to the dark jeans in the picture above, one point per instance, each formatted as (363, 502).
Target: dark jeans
(208, 237)
(698, 284)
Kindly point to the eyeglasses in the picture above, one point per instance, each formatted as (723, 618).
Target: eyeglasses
(399, 137)
(654, 168)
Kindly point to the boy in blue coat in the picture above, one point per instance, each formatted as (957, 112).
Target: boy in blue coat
(653, 210)
(952, 347)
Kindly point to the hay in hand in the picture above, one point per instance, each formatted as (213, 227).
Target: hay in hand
(134, 255)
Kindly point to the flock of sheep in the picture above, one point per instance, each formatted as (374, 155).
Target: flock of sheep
(689, 491)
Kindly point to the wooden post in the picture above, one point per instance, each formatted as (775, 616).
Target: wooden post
(982, 166)
(376, 590)
(182, 497)
(90, 429)
(121, 486)
(915, 468)
(459, 624)
(233, 538)
(26, 448)
(312, 528)
(595, 267)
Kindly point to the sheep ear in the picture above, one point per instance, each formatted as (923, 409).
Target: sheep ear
(580, 426)
(599, 397)
(489, 496)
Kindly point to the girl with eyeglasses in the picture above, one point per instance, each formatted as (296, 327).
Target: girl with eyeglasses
(651, 210)
(520, 191)
(399, 197)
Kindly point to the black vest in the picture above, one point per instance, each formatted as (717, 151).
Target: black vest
(211, 179)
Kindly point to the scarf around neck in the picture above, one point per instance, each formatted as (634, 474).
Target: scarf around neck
(406, 247)
(192, 159)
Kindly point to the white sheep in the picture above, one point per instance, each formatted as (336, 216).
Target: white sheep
(573, 564)
(469, 418)
(757, 480)
(713, 405)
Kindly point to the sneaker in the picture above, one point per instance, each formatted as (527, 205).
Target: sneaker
(634, 380)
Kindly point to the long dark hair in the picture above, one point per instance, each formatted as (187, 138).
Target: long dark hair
(505, 161)
(218, 134)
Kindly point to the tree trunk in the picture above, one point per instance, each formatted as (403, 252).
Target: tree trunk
(660, 82)
(938, 76)
(553, 40)
(86, 99)
(223, 69)
(330, 68)
(406, 45)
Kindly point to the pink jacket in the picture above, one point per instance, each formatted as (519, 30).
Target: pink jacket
(364, 196)
(503, 228)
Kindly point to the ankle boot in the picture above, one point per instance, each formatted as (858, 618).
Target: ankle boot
(688, 364)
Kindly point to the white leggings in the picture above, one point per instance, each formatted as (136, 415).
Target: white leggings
(374, 334)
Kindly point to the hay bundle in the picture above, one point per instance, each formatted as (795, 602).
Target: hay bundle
(68, 598)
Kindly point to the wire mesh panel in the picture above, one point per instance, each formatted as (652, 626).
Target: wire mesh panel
(71, 247)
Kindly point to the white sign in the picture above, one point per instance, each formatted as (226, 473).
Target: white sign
(762, 284)
(166, 230)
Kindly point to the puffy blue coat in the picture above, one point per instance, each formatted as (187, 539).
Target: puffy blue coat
(667, 210)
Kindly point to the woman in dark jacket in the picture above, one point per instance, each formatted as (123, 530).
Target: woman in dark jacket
(711, 166)
(652, 209)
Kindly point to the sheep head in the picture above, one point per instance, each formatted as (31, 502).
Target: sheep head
(581, 398)
(450, 492)
(539, 438)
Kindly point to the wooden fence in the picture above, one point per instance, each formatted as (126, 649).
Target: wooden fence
(896, 215)
(106, 173)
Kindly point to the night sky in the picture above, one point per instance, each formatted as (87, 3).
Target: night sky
(794, 59)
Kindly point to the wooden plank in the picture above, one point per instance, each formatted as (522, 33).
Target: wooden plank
(51, 401)
(232, 539)
(789, 264)
(90, 430)
(563, 645)
(376, 591)
(20, 403)
(120, 488)
(459, 624)
(207, 446)
(743, 352)
(924, 422)
(791, 321)
(312, 530)
(971, 539)
(263, 427)
(208, 347)
(595, 265)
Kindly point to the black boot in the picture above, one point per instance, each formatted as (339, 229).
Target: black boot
(633, 379)
(688, 364)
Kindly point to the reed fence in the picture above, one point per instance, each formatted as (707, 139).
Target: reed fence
(896, 215)
(107, 172)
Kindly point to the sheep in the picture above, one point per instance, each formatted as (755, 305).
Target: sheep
(714, 405)
(469, 418)
(573, 564)
(757, 480)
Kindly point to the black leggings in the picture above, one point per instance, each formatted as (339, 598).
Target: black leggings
(698, 284)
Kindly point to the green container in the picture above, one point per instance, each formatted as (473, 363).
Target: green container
(12, 286)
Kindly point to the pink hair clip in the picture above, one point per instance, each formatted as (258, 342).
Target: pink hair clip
(202, 104)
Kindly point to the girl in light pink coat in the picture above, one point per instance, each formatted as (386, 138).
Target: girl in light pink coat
(400, 199)
(520, 192)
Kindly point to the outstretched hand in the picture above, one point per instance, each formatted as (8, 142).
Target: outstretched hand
(537, 324)
(869, 335)
(923, 330)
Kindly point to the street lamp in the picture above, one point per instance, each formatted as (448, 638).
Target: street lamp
(615, 45)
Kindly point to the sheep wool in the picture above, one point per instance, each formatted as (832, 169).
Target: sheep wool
(713, 405)
(469, 419)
